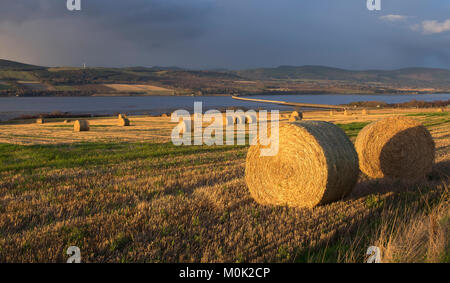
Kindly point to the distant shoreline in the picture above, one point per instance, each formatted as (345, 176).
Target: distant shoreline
(229, 95)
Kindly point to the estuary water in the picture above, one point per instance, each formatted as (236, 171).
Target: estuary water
(13, 107)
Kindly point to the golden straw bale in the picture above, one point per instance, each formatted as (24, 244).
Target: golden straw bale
(395, 147)
(40, 121)
(295, 116)
(122, 116)
(251, 118)
(229, 120)
(346, 113)
(440, 110)
(81, 126)
(316, 164)
(331, 113)
(123, 122)
(240, 119)
(365, 112)
(184, 126)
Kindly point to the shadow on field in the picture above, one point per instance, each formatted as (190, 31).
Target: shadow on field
(367, 186)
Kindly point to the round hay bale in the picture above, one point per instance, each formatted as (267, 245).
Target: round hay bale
(316, 164)
(184, 127)
(331, 113)
(440, 110)
(40, 121)
(123, 122)
(365, 112)
(81, 126)
(250, 119)
(122, 116)
(295, 116)
(395, 147)
(240, 119)
(346, 113)
(229, 120)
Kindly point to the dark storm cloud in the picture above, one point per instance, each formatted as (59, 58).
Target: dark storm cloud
(227, 33)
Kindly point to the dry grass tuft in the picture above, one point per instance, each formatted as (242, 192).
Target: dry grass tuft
(423, 238)
(316, 164)
(81, 126)
(395, 147)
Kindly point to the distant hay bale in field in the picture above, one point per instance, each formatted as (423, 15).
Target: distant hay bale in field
(240, 119)
(316, 164)
(295, 116)
(122, 116)
(66, 121)
(346, 113)
(331, 113)
(81, 126)
(440, 110)
(229, 120)
(123, 122)
(365, 112)
(164, 115)
(184, 126)
(395, 147)
(40, 121)
(251, 118)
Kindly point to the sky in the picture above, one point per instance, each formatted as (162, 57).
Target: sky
(231, 34)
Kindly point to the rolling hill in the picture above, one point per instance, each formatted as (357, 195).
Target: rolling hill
(17, 66)
(15, 79)
(407, 76)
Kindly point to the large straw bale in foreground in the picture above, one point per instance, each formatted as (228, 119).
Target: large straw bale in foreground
(81, 126)
(123, 122)
(316, 164)
(395, 147)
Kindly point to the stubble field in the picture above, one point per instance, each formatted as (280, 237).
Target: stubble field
(129, 195)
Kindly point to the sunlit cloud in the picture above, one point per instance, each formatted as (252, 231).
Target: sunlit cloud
(393, 18)
(432, 27)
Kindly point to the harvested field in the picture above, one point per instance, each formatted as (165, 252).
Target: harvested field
(138, 88)
(126, 194)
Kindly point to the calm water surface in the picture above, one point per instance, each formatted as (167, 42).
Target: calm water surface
(11, 107)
